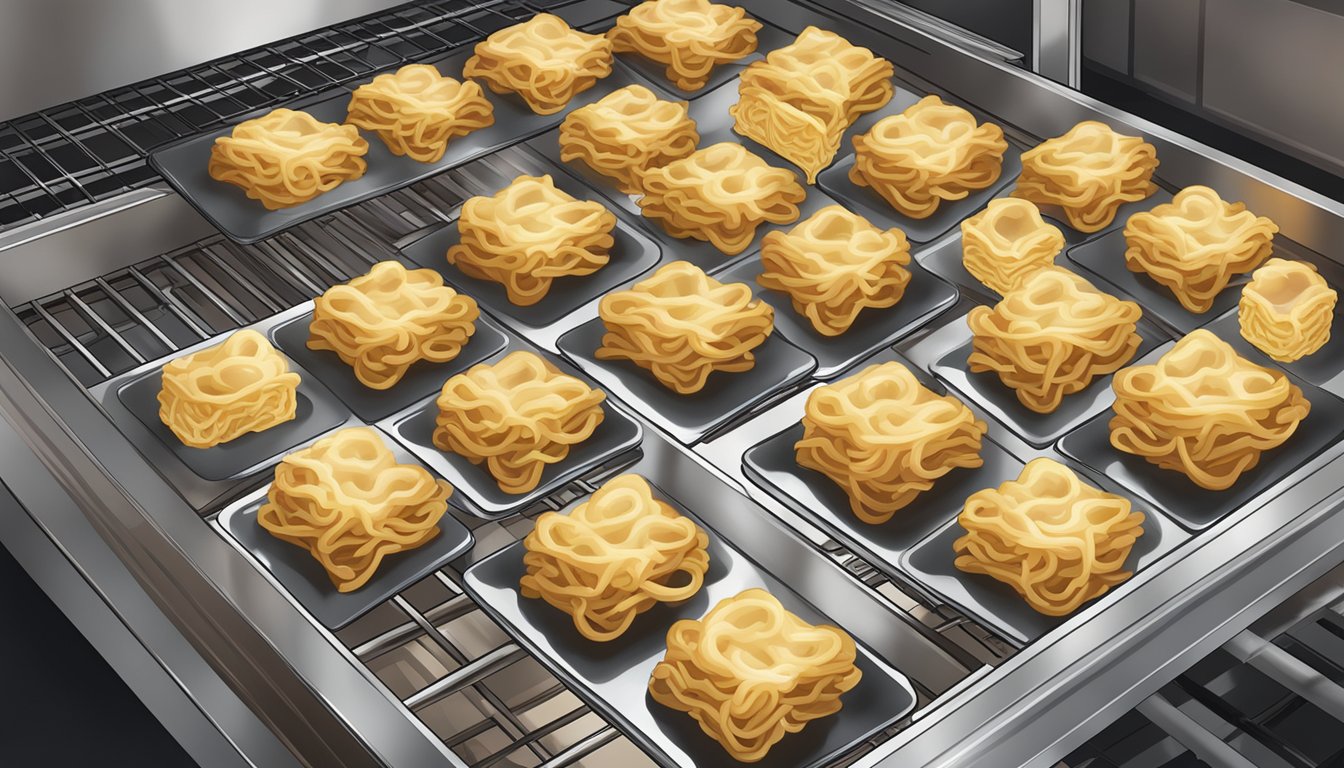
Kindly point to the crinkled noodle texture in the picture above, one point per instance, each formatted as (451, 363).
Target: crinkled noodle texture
(930, 153)
(416, 111)
(382, 323)
(613, 557)
(689, 37)
(1051, 336)
(750, 672)
(1089, 172)
(1196, 244)
(1287, 309)
(284, 158)
(720, 194)
(518, 416)
(1057, 541)
(530, 233)
(627, 132)
(542, 60)
(799, 100)
(223, 392)
(885, 438)
(682, 325)
(1007, 241)
(834, 265)
(1204, 411)
(348, 502)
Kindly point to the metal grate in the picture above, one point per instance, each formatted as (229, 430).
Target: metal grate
(92, 149)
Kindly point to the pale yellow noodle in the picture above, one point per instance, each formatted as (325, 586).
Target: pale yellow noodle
(530, 233)
(626, 133)
(518, 416)
(1204, 411)
(799, 100)
(613, 557)
(750, 672)
(682, 325)
(689, 37)
(884, 438)
(382, 323)
(1051, 336)
(542, 60)
(285, 157)
(1196, 244)
(223, 392)
(1089, 172)
(416, 111)
(834, 265)
(720, 194)
(1287, 309)
(1057, 541)
(1007, 241)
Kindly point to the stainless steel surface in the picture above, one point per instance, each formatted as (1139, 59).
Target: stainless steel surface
(1207, 746)
(1057, 40)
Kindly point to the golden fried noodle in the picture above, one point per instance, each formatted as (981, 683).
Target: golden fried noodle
(1089, 172)
(682, 325)
(1057, 541)
(223, 392)
(1196, 244)
(518, 416)
(382, 323)
(348, 502)
(930, 153)
(626, 133)
(750, 672)
(1051, 336)
(1204, 411)
(542, 60)
(834, 265)
(689, 37)
(530, 233)
(416, 111)
(613, 557)
(885, 438)
(1007, 241)
(284, 158)
(720, 194)
(1287, 309)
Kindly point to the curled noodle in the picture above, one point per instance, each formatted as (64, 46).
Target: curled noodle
(416, 111)
(1089, 172)
(1007, 241)
(285, 157)
(626, 133)
(542, 60)
(1287, 309)
(689, 37)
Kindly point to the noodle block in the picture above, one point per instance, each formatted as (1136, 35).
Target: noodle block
(799, 100)
(285, 157)
(834, 265)
(683, 325)
(627, 132)
(528, 234)
(1287, 309)
(1196, 244)
(223, 392)
(416, 111)
(517, 416)
(1007, 241)
(1057, 541)
(720, 194)
(884, 438)
(929, 153)
(689, 37)
(1089, 172)
(382, 323)
(751, 672)
(613, 557)
(1051, 336)
(542, 60)
(1204, 411)
(348, 502)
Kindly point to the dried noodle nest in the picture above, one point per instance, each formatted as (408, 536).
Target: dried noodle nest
(1089, 172)
(689, 37)
(1007, 241)
(626, 133)
(885, 438)
(542, 60)
(284, 157)
(1204, 411)
(1287, 309)
(416, 111)
(1057, 541)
